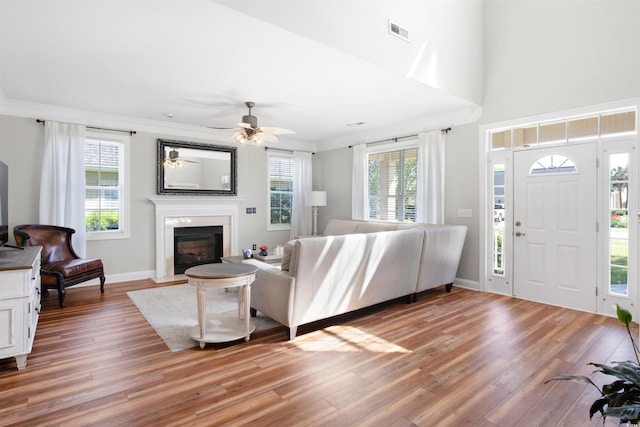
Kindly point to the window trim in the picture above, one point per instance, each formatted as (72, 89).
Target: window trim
(270, 226)
(124, 232)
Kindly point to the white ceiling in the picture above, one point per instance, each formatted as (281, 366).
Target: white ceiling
(313, 66)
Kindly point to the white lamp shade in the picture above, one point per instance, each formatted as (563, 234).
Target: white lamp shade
(316, 198)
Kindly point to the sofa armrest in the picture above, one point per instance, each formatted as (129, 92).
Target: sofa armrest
(441, 253)
(272, 292)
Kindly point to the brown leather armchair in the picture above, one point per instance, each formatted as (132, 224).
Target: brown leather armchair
(60, 267)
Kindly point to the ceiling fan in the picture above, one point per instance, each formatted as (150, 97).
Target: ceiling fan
(250, 132)
(173, 159)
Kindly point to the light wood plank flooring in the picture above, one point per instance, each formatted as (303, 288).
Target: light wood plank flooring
(464, 358)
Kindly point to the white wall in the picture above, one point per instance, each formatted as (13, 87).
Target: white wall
(445, 48)
(333, 171)
(545, 56)
(21, 142)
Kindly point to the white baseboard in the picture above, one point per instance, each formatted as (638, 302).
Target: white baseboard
(122, 277)
(467, 284)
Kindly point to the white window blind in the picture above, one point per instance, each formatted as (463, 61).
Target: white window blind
(104, 173)
(280, 189)
(392, 185)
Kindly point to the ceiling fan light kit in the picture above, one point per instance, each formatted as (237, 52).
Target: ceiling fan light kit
(250, 132)
(243, 136)
(173, 160)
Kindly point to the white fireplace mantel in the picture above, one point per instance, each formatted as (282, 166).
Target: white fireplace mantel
(174, 212)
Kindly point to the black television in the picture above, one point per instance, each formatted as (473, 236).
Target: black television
(4, 204)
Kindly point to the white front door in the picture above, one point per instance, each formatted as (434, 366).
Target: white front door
(554, 226)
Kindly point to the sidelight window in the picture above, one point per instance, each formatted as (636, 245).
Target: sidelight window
(619, 224)
(498, 219)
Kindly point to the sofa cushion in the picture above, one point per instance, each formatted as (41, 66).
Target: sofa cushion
(73, 268)
(374, 227)
(338, 227)
(286, 256)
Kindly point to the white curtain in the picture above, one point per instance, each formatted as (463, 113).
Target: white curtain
(359, 185)
(301, 220)
(430, 197)
(62, 183)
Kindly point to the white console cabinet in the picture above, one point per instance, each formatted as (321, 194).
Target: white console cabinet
(20, 293)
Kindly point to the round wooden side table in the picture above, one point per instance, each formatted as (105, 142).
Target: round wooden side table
(222, 275)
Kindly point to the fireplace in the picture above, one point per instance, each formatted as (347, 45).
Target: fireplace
(195, 246)
(177, 212)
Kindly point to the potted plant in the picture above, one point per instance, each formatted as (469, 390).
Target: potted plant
(621, 398)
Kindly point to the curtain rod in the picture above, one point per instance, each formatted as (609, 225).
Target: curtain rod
(397, 138)
(286, 151)
(130, 132)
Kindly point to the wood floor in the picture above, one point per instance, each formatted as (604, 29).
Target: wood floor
(464, 358)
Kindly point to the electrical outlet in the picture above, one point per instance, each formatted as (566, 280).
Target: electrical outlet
(255, 247)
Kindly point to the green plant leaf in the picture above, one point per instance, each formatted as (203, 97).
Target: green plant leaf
(598, 406)
(630, 411)
(581, 378)
(627, 371)
(624, 315)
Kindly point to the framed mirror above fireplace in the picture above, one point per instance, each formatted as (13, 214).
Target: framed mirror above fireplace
(196, 169)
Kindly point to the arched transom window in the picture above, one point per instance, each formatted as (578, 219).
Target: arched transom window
(552, 164)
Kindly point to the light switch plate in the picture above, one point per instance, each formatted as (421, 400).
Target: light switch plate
(465, 213)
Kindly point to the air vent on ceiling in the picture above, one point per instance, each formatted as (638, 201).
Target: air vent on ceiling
(397, 30)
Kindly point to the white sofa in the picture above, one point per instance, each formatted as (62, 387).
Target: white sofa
(355, 264)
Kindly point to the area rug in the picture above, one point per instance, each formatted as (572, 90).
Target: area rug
(172, 311)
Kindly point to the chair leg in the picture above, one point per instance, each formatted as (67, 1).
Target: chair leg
(102, 283)
(62, 292)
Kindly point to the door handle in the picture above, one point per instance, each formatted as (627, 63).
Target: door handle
(518, 234)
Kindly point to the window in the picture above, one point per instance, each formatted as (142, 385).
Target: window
(498, 219)
(552, 164)
(105, 191)
(619, 223)
(393, 178)
(280, 191)
(569, 129)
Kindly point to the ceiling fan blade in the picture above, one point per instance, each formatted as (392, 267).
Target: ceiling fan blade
(245, 125)
(216, 128)
(276, 131)
(267, 136)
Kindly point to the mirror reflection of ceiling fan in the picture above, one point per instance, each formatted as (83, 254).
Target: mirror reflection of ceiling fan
(173, 159)
(250, 132)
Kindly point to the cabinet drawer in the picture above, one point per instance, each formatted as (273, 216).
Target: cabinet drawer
(17, 283)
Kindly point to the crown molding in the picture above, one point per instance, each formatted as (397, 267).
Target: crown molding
(452, 118)
(96, 119)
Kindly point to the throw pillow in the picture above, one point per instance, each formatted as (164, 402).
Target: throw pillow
(286, 256)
